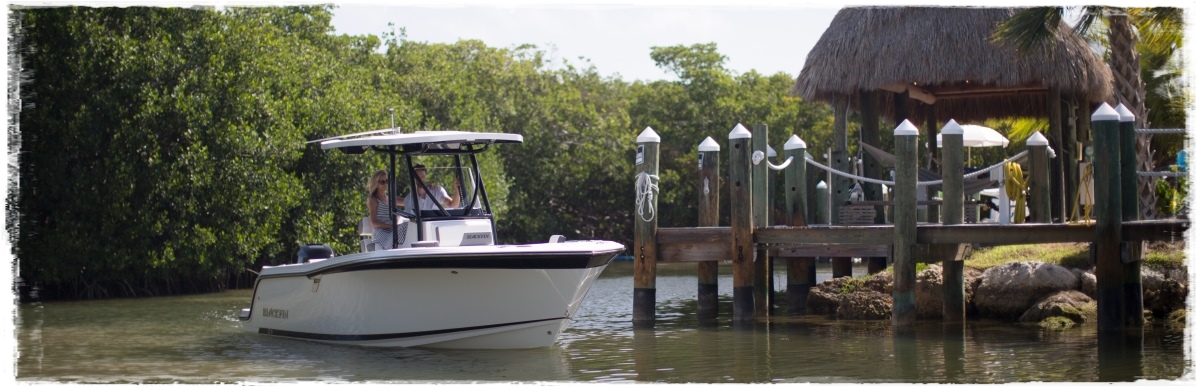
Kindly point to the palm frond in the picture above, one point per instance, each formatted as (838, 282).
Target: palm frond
(1030, 28)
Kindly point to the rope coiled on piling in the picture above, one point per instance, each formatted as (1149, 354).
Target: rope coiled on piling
(1014, 186)
(646, 187)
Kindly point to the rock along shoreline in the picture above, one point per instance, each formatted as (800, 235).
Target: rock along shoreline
(1028, 292)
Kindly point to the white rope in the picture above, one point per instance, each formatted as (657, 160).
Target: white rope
(921, 183)
(1171, 174)
(646, 187)
(1161, 131)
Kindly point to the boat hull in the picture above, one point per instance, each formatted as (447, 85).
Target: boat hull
(502, 299)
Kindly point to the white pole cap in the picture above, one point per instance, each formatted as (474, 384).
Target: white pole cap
(708, 145)
(739, 132)
(649, 136)
(794, 143)
(1036, 139)
(905, 128)
(771, 152)
(822, 186)
(1105, 112)
(952, 128)
(1126, 115)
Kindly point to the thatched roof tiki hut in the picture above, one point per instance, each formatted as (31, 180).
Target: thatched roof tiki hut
(931, 64)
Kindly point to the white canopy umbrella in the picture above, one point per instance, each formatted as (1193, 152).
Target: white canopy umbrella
(979, 136)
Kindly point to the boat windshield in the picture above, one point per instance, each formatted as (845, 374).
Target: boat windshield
(440, 173)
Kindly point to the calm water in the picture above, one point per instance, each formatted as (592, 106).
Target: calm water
(197, 339)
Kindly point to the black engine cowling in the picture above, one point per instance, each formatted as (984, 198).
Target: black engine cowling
(313, 251)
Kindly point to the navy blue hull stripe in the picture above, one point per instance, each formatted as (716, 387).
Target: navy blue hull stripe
(375, 337)
(578, 261)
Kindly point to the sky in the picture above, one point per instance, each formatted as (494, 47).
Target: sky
(615, 38)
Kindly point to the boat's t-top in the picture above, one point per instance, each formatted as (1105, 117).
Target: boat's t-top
(469, 224)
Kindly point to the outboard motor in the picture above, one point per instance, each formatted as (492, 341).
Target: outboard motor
(313, 251)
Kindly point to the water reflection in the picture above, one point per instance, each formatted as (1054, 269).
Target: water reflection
(198, 340)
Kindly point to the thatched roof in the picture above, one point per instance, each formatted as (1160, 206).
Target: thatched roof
(947, 53)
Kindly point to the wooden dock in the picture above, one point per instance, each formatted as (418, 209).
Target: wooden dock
(752, 241)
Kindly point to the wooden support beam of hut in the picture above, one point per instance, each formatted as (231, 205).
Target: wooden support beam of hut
(839, 188)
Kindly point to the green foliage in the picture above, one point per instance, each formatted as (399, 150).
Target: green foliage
(1069, 255)
(162, 149)
(1171, 194)
(1056, 323)
(164, 146)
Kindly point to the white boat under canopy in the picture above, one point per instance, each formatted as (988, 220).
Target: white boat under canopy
(444, 282)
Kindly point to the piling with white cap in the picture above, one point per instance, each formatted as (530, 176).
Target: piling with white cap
(904, 311)
(741, 218)
(1109, 268)
(645, 228)
(1132, 272)
(1039, 177)
(799, 269)
(710, 195)
(953, 299)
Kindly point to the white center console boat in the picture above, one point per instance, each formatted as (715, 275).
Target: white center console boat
(443, 282)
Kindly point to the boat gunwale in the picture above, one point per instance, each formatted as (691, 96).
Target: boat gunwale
(313, 269)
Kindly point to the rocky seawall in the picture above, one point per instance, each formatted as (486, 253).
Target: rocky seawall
(1030, 292)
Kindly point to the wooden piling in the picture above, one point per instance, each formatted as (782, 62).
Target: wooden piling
(645, 230)
(759, 197)
(741, 223)
(1131, 260)
(710, 178)
(953, 301)
(796, 199)
(1109, 269)
(1039, 177)
(904, 311)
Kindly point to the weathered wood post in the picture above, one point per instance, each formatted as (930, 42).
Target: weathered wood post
(953, 302)
(794, 180)
(1131, 260)
(741, 223)
(758, 191)
(904, 311)
(710, 178)
(1107, 245)
(1039, 177)
(1058, 198)
(645, 227)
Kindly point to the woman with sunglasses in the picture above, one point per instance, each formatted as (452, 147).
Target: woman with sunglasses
(381, 218)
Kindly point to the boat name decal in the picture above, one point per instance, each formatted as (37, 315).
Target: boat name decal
(275, 313)
(476, 238)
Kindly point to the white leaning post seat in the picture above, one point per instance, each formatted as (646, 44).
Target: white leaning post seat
(365, 242)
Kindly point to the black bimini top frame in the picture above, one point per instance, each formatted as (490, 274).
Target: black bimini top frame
(450, 143)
